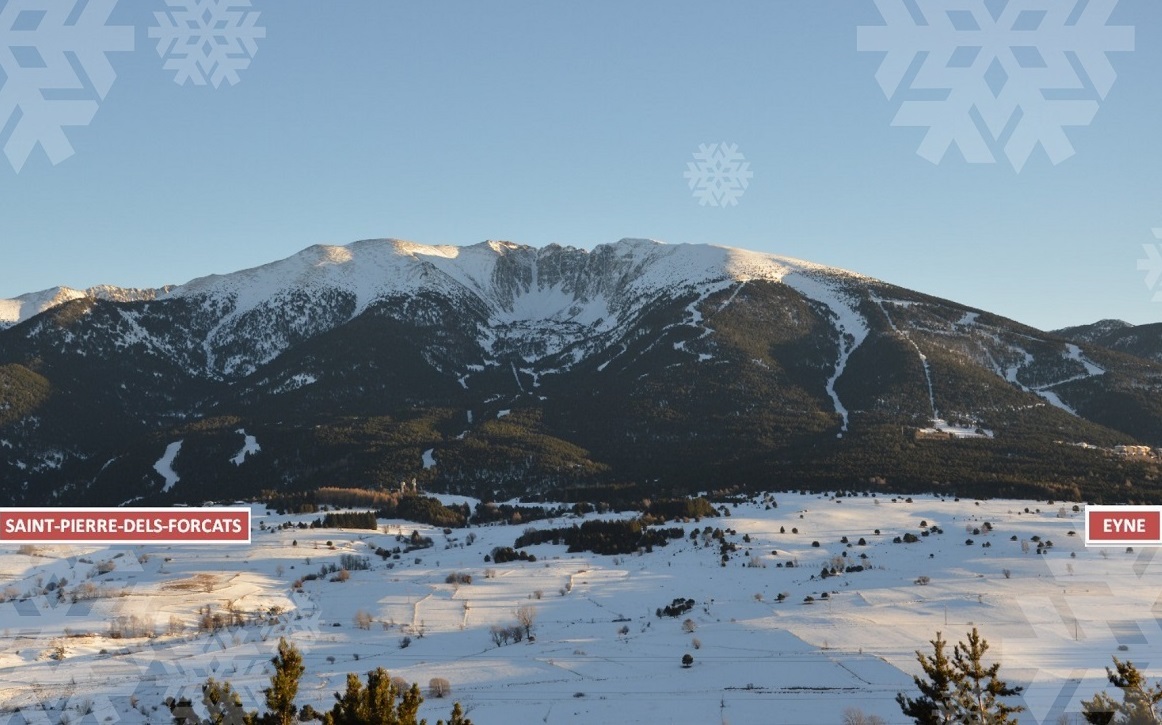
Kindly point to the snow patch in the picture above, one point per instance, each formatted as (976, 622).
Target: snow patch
(503, 413)
(164, 466)
(923, 357)
(956, 431)
(299, 380)
(1073, 352)
(249, 447)
(429, 459)
(1056, 401)
(852, 328)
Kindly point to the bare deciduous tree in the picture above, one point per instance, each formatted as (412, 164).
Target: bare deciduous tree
(526, 616)
(439, 687)
(855, 716)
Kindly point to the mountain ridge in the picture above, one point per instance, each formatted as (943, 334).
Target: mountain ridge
(1144, 341)
(26, 306)
(502, 369)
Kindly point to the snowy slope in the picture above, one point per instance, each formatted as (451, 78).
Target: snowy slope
(601, 653)
(539, 302)
(19, 309)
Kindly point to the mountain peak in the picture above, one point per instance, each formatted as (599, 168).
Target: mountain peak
(497, 271)
(30, 304)
(1092, 331)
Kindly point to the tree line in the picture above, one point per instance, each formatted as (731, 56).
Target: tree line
(602, 537)
(381, 701)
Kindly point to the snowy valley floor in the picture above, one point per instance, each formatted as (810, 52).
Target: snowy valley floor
(600, 653)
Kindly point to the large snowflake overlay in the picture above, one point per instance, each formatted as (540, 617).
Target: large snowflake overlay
(1013, 78)
(53, 71)
(719, 174)
(240, 655)
(1152, 265)
(207, 40)
(66, 607)
(1068, 617)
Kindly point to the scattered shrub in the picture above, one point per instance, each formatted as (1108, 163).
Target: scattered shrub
(439, 687)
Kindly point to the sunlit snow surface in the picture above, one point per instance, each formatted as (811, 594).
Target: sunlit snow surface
(25, 306)
(1053, 622)
(19, 309)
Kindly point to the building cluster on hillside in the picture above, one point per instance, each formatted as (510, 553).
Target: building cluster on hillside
(1123, 450)
(1138, 451)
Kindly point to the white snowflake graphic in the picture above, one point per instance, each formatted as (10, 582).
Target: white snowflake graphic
(54, 71)
(719, 174)
(1069, 616)
(46, 616)
(1152, 265)
(238, 654)
(207, 40)
(1012, 79)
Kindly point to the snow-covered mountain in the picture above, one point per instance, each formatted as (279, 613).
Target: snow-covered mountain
(534, 303)
(505, 367)
(1141, 340)
(26, 306)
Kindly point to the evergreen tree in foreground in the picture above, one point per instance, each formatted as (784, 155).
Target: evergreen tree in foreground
(223, 704)
(284, 684)
(374, 704)
(978, 687)
(1139, 704)
(961, 690)
(935, 705)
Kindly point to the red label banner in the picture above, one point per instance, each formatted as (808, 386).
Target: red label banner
(1117, 525)
(210, 525)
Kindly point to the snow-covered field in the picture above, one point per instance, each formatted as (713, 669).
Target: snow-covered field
(600, 652)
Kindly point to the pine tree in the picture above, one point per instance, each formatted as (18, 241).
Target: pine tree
(381, 694)
(978, 687)
(224, 704)
(380, 702)
(376, 703)
(1139, 704)
(284, 684)
(936, 705)
(349, 708)
(183, 711)
(960, 690)
(457, 717)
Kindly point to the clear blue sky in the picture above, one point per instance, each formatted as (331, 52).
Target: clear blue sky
(541, 121)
